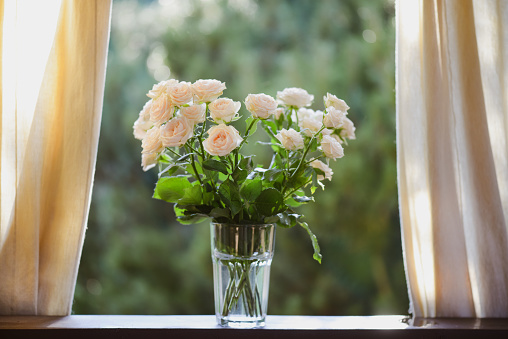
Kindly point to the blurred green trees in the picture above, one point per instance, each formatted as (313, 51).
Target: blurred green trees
(138, 260)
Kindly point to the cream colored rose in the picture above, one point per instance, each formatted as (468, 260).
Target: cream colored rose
(323, 167)
(161, 88)
(149, 160)
(332, 101)
(348, 129)
(180, 93)
(260, 105)
(331, 133)
(310, 121)
(331, 147)
(290, 139)
(223, 110)
(309, 126)
(176, 132)
(222, 139)
(143, 123)
(194, 113)
(293, 96)
(161, 110)
(308, 113)
(334, 118)
(207, 90)
(152, 143)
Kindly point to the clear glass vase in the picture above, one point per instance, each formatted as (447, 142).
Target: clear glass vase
(242, 256)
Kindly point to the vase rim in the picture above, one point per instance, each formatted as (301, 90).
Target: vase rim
(242, 225)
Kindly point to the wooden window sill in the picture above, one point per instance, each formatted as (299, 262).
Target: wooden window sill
(112, 326)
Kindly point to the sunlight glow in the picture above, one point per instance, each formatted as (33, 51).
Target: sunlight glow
(28, 32)
(410, 20)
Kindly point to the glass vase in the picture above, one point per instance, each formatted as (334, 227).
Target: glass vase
(242, 256)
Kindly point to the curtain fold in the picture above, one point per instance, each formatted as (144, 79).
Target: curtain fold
(53, 73)
(452, 128)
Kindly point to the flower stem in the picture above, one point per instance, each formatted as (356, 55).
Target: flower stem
(195, 170)
(296, 189)
(307, 151)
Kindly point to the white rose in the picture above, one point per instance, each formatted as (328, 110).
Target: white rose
(348, 129)
(152, 143)
(303, 113)
(290, 139)
(331, 133)
(223, 110)
(149, 160)
(222, 140)
(331, 147)
(334, 118)
(161, 88)
(260, 105)
(332, 101)
(308, 113)
(176, 132)
(310, 121)
(309, 126)
(293, 96)
(194, 113)
(180, 93)
(323, 167)
(161, 110)
(207, 90)
(143, 123)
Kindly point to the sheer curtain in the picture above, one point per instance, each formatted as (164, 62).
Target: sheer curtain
(452, 130)
(52, 81)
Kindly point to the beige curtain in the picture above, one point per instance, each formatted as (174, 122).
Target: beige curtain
(452, 130)
(52, 81)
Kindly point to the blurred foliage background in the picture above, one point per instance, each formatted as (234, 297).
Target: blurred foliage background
(138, 260)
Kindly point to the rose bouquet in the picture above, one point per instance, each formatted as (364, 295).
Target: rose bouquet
(186, 129)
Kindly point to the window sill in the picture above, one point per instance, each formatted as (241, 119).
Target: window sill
(109, 326)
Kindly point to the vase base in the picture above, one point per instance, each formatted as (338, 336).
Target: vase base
(241, 323)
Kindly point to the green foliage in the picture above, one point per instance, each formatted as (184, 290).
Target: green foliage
(171, 189)
(138, 260)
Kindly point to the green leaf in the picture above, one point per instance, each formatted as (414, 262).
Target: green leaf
(313, 145)
(239, 175)
(184, 157)
(288, 219)
(254, 127)
(214, 165)
(297, 180)
(273, 175)
(271, 220)
(319, 171)
(191, 219)
(251, 189)
(207, 197)
(192, 195)
(169, 170)
(247, 164)
(220, 212)
(302, 199)
(185, 217)
(230, 196)
(292, 202)
(270, 202)
(171, 189)
(317, 255)
(271, 125)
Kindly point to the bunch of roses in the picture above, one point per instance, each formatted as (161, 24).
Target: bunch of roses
(331, 127)
(175, 108)
(169, 117)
